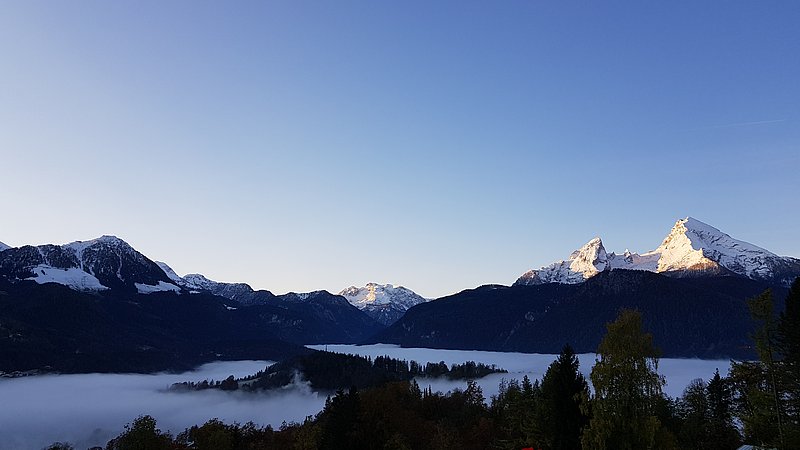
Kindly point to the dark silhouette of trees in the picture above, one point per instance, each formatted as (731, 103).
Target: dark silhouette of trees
(514, 409)
(564, 392)
(705, 411)
(758, 383)
(627, 389)
(142, 434)
(789, 346)
(60, 446)
(627, 410)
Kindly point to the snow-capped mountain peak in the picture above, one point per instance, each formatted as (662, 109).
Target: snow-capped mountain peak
(4, 247)
(381, 294)
(694, 245)
(583, 263)
(591, 257)
(383, 302)
(107, 262)
(692, 248)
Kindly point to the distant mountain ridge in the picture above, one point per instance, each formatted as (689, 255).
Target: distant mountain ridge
(113, 283)
(692, 248)
(195, 282)
(383, 302)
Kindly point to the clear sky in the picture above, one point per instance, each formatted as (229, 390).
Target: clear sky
(439, 145)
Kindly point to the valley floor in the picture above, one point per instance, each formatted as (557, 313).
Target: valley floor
(89, 409)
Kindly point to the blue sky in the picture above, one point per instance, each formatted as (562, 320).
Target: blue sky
(438, 145)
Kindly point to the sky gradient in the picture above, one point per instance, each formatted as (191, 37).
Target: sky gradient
(440, 145)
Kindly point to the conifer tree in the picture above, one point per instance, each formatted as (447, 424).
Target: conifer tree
(722, 433)
(563, 391)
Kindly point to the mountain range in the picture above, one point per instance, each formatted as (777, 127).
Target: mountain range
(694, 317)
(120, 311)
(101, 305)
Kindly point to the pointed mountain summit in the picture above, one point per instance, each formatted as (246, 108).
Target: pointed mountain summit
(383, 302)
(692, 248)
(581, 265)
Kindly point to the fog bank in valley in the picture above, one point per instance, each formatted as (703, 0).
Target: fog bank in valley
(678, 372)
(90, 409)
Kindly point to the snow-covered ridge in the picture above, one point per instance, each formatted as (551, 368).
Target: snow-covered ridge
(691, 248)
(196, 282)
(4, 246)
(582, 264)
(99, 264)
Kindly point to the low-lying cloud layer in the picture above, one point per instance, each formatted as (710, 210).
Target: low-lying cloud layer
(678, 372)
(88, 410)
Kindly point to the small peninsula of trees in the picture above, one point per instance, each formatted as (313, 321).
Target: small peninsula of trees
(758, 403)
(327, 371)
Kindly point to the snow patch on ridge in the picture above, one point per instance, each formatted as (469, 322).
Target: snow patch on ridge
(160, 287)
(72, 277)
(4, 247)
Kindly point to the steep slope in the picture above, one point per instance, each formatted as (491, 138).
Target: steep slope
(4, 247)
(338, 320)
(581, 265)
(100, 277)
(96, 265)
(692, 248)
(695, 246)
(55, 328)
(383, 302)
(194, 282)
(689, 317)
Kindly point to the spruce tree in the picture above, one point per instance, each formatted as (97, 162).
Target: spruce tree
(722, 433)
(563, 391)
